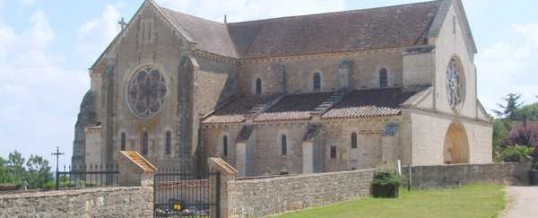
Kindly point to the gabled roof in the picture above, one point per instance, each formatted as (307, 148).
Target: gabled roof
(365, 29)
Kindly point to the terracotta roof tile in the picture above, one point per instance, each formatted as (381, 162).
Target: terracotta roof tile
(294, 107)
(370, 103)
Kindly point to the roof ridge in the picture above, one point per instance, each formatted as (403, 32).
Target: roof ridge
(331, 13)
(190, 15)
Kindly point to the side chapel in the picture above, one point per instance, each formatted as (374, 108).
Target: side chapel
(301, 94)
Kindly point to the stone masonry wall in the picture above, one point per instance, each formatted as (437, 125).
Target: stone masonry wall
(101, 202)
(453, 175)
(262, 197)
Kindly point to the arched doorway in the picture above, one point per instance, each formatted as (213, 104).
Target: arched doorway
(456, 149)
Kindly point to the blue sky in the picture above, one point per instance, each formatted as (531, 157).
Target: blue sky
(47, 46)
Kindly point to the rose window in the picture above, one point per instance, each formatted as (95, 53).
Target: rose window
(146, 92)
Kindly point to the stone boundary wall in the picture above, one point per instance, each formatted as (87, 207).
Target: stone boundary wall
(97, 202)
(262, 197)
(460, 174)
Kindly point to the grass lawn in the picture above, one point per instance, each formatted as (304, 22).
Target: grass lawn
(481, 200)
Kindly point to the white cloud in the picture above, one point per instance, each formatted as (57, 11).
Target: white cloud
(509, 66)
(97, 33)
(240, 10)
(40, 34)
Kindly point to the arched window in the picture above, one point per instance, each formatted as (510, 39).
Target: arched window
(123, 141)
(258, 86)
(316, 86)
(353, 140)
(383, 78)
(284, 145)
(168, 142)
(145, 143)
(225, 145)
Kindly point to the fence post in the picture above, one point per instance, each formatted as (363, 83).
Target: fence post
(57, 180)
(218, 195)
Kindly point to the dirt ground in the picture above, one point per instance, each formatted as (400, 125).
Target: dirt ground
(522, 202)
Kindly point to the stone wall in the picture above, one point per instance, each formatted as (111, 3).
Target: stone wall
(299, 71)
(262, 197)
(100, 202)
(454, 175)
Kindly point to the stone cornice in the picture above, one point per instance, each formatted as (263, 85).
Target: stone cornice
(319, 55)
(213, 57)
(450, 116)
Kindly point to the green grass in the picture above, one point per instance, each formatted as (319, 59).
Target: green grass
(482, 200)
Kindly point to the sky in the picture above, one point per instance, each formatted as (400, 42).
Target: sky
(46, 47)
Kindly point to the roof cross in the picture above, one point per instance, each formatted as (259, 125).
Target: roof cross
(122, 24)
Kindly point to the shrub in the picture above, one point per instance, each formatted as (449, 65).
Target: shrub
(386, 177)
(516, 153)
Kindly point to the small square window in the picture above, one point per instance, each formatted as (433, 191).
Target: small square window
(333, 152)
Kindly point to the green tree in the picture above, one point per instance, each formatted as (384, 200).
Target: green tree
(501, 131)
(15, 165)
(527, 112)
(5, 176)
(38, 172)
(512, 103)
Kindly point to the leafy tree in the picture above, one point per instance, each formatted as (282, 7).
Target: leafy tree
(5, 177)
(527, 112)
(512, 103)
(38, 172)
(501, 130)
(15, 165)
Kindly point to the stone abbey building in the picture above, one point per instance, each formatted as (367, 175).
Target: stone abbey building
(301, 94)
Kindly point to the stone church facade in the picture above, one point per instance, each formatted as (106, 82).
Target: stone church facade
(302, 94)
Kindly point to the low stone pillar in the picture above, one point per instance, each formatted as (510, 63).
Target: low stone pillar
(308, 157)
(135, 170)
(388, 146)
(224, 173)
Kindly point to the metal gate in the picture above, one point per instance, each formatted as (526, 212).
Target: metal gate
(186, 195)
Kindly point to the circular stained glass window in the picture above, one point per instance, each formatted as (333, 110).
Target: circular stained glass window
(455, 85)
(146, 92)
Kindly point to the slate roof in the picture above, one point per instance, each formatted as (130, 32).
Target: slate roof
(312, 130)
(294, 107)
(209, 35)
(365, 29)
(235, 110)
(355, 104)
(370, 103)
(245, 133)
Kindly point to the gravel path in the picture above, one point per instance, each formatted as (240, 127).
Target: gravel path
(522, 202)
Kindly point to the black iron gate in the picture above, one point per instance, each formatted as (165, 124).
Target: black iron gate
(186, 195)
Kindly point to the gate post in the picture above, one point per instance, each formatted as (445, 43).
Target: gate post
(135, 170)
(223, 173)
